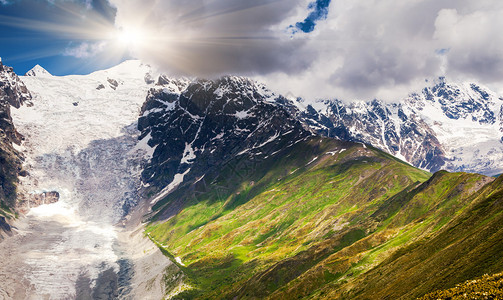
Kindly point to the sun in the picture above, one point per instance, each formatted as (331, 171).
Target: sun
(130, 37)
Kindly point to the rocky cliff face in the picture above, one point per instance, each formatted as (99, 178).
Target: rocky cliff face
(197, 126)
(457, 127)
(14, 93)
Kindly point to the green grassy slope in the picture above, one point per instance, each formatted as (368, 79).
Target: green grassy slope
(466, 247)
(318, 220)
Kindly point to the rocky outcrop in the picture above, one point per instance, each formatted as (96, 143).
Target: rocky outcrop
(113, 83)
(5, 228)
(36, 199)
(14, 93)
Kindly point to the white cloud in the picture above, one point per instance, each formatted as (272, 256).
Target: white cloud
(365, 48)
(475, 43)
(85, 50)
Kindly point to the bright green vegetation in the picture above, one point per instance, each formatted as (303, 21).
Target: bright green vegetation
(342, 225)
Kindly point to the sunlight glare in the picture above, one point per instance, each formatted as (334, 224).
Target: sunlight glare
(130, 37)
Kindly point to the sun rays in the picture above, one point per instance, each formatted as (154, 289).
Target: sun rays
(73, 31)
(202, 39)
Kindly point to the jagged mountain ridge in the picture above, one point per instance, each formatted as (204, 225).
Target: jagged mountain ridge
(408, 138)
(412, 130)
(427, 129)
(197, 126)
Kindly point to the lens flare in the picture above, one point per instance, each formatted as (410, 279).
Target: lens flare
(131, 37)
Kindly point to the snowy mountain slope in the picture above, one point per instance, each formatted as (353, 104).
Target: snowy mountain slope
(81, 142)
(457, 127)
(63, 103)
(467, 121)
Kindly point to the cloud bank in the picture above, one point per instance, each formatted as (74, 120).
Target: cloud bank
(349, 49)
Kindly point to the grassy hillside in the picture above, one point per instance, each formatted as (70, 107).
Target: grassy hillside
(468, 246)
(323, 219)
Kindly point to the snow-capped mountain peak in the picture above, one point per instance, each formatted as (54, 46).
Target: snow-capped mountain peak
(455, 126)
(39, 71)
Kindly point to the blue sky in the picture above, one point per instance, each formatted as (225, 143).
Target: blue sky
(319, 12)
(26, 41)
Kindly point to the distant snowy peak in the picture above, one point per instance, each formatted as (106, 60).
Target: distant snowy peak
(467, 101)
(115, 78)
(447, 125)
(38, 71)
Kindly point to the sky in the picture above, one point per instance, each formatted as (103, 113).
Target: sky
(45, 32)
(345, 49)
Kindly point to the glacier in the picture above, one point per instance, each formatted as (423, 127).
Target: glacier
(81, 140)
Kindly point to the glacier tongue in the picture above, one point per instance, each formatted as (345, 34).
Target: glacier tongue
(81, 141)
